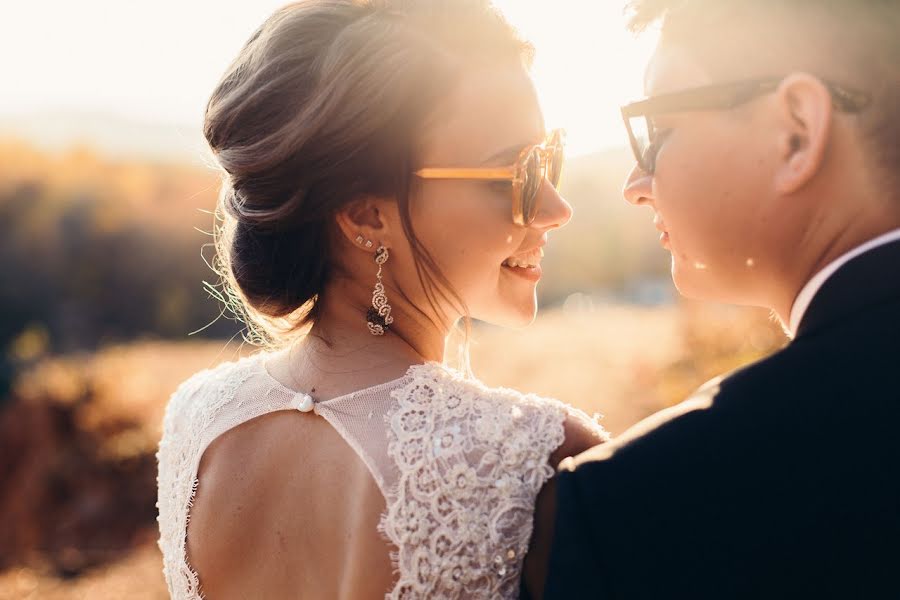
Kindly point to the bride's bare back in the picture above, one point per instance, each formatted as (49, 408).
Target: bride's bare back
(286, 505)
(434, 468)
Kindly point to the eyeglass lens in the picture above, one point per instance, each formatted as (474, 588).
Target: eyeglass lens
(641, 134)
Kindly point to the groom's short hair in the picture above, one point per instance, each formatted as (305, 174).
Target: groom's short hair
(854, 42)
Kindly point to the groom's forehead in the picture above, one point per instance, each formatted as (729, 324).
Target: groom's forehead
(748, 40)
(715, 57)
(673, 68)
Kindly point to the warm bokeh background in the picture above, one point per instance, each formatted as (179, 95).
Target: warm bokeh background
(104, 226)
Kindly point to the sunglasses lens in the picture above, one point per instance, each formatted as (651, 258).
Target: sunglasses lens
(555, 164)
(531, 186)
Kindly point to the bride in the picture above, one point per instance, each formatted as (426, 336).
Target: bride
(387, 175)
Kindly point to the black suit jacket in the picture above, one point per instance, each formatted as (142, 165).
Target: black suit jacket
(780, 481)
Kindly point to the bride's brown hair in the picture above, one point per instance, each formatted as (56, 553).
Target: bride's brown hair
(325, 104)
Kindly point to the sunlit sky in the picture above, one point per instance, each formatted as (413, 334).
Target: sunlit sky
(159, 61)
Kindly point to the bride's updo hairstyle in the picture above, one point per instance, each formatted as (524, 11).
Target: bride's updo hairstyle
(326, 103)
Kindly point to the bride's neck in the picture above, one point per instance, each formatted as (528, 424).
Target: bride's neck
(341, 333)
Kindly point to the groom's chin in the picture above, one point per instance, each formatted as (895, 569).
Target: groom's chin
(695, 283)
(705, 288)
(683, 283)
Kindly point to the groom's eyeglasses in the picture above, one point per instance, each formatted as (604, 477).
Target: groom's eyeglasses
(638, 116)
(534, 163)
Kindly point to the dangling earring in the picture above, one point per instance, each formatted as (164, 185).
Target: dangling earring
(379, 315)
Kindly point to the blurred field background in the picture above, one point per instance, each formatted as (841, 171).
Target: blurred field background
(104, 221)
(100, 285)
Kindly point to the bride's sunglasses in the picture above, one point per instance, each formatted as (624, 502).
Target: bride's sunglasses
(535, 163)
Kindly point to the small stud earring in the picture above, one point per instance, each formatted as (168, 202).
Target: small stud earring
(359, 239)
(368, 243)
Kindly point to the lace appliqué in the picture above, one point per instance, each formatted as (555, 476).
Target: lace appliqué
(188, 415)
(471, 462)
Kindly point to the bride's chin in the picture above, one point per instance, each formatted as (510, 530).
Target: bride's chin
(520, 316)
(511, 308)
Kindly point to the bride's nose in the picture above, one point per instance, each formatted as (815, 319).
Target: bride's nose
(552, 211)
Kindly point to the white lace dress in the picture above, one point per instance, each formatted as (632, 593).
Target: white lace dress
(459, 465)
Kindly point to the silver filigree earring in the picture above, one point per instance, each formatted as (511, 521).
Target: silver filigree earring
(379, 315)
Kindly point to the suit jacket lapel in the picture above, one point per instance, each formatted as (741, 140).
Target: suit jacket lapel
(868, 280)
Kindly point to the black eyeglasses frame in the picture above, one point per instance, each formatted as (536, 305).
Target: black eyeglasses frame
(721, 96)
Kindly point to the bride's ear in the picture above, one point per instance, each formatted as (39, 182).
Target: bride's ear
(367, 219)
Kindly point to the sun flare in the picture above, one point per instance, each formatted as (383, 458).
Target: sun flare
(586, 65)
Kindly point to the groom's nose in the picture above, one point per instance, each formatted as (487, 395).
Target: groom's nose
(638, 187)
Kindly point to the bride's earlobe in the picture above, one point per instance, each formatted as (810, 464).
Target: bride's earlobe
(362, 218)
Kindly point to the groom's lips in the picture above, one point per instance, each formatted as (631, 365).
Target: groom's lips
(664, 235)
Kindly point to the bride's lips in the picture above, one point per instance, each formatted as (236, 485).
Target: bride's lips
(529, 273)
(527, 263)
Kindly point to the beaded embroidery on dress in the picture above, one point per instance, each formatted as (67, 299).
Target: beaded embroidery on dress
(459, 465)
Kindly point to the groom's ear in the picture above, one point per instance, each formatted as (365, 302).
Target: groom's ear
(803, 123)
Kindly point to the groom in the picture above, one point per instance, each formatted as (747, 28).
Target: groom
(769, 149)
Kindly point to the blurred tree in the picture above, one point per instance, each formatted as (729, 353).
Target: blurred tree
(96, 250)
(87, 255)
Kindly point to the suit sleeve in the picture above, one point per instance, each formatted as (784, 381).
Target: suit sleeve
(574, 569)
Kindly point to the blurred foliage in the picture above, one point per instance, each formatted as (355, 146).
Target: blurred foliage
(80, 434)
(94, 251)
(100, 257)
(78, 440)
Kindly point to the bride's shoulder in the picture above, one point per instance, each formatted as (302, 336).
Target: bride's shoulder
(449, 392)
(201, 390)
(441, 386)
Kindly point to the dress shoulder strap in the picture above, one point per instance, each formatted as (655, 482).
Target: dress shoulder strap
(205, 405)
(470, 461)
